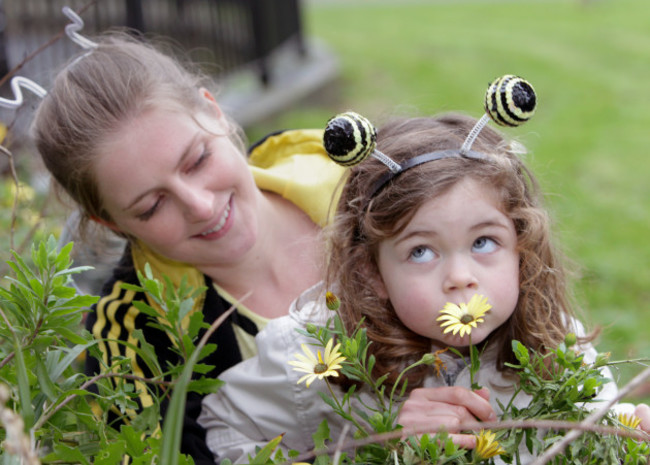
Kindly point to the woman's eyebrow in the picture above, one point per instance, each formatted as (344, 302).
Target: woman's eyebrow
(188, 149)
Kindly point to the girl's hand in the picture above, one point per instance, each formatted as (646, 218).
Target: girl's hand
(447, 407)
(642, 411)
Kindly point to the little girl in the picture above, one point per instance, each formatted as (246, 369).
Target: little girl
(402, 246)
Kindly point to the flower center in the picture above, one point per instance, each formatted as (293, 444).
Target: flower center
(320, 368)
(466, 319)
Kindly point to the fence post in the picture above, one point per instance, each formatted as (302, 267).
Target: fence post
(4, 64)
(134, 16)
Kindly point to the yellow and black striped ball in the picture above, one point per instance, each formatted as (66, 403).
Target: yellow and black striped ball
(510, 100)
(349, 138)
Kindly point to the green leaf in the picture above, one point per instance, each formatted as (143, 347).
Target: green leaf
(133, 439)
(71, 355)
(264, 454)
(78, 304)
(321, 436)
(66, 454)
(23, 272)
(202, 368)
(64, 292)
(71, 336)
(521, 352)
(196, 322)
(24, 391)
(173, 424)
(131, 287)
(63, 258)
(205, 385)
(111, 453)
(36, 287)
(44, 381)
(39, 256)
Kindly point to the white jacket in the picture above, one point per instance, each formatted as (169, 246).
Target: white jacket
(261, 398)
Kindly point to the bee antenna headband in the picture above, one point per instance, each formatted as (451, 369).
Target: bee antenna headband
(350, 138)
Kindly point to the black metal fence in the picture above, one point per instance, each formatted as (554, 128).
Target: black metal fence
(227, 34)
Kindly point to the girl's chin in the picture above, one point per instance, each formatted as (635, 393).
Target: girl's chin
(460, 343)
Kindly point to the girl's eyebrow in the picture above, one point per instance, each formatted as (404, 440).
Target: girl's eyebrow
(488, 223)
(415, 233)
(186, 153)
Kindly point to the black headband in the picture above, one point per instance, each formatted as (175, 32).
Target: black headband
(350, 138)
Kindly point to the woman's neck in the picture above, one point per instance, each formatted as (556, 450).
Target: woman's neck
(285, 260)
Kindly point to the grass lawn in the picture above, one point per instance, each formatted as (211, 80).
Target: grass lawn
(588, 61)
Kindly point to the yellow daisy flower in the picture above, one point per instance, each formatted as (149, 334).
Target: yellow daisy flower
(463, 317)
(486, 446)
(320, 365)
(629, 420)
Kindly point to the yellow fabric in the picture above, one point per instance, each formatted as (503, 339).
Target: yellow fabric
(245, 341)
(293, 164)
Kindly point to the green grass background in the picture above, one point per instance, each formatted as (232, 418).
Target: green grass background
(589, 62)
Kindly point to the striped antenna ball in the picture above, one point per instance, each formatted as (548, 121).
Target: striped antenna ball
(349, 138)
(510, 100)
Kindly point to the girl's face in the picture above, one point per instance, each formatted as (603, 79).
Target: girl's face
(179, 188)
(456, 245)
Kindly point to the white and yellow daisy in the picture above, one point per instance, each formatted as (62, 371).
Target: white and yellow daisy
(463, 317)
(320, 365)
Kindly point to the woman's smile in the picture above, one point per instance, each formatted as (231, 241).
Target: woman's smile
(223, 224)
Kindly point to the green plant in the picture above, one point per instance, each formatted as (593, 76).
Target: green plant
(561, 389)
(46, 401)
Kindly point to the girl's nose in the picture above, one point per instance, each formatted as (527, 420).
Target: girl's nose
(459, 275)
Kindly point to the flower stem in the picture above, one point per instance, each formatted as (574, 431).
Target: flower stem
(340, 407)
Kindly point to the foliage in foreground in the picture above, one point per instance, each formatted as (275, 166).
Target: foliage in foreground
(50, 411)
(49, 407)
(561, 385)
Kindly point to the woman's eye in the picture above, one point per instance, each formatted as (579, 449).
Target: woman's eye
(422, 254)
(150, 212)
(199, 161)
(484, 245)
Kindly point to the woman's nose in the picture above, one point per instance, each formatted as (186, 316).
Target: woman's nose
(197, 204)
(459, 275)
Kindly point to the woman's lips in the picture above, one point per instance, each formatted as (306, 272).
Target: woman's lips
(221, 224)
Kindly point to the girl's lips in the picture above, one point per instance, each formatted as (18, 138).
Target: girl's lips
(215, 230)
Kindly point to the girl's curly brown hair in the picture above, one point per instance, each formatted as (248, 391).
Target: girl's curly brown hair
(543, 313)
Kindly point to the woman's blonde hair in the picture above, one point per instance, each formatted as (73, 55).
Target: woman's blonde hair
(95, 95)
(543, 311)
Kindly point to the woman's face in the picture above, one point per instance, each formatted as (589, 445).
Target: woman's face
(179, 188)
(457, 245)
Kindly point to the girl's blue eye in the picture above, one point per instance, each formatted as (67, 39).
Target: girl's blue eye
(422, 254)
(484, 245)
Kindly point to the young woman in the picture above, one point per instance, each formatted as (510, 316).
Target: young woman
(133, 137)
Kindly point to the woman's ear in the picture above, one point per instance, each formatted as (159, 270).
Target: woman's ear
(206, 94)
